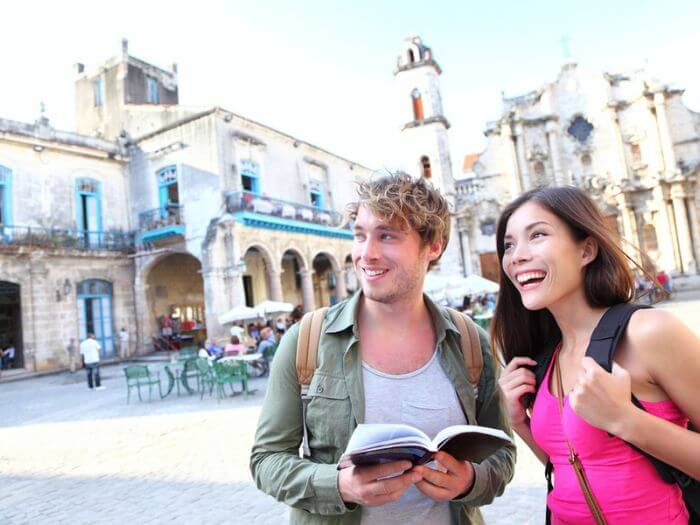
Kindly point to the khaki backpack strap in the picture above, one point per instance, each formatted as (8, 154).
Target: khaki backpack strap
(307, 351)
(471, 346)
(307, 345)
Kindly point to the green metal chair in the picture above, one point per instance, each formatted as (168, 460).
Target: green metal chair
(228, 373)
(205, 375)
(138, 376)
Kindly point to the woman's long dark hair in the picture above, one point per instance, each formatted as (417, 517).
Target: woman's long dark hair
(608, 279)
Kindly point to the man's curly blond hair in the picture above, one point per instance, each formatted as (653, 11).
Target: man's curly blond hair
(410, 203)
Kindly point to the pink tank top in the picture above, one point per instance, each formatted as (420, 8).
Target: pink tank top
(625, 483)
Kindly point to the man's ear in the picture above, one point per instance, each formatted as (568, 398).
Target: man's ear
(434, 250)
(590, 251)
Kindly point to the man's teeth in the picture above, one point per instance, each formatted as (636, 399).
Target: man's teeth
(524, 277)
(372, 273)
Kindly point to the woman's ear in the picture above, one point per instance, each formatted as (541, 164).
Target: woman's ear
(590, 251)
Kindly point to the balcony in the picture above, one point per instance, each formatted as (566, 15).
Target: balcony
(160, 223)
(60, 238)
(266, 212)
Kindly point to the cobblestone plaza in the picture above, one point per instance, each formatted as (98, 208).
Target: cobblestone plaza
(70, 455)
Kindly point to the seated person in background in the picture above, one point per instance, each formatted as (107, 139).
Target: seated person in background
(254, 331)
(280, 326)
(267, 339)
(203, 353)
(213, 349)
(234, 347)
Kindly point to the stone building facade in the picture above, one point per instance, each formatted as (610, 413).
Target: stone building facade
(155, 210)
(626, 138)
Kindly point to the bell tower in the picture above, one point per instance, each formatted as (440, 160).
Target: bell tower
(424, 139)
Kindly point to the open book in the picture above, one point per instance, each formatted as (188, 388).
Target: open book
(383, 443)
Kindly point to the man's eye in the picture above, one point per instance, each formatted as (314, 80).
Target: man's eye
(387, 236)
(359, 236)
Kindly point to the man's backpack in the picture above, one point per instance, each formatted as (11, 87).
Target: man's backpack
(310, 335)
(604, 341)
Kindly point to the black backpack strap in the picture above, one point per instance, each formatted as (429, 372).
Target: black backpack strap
(606, 336)
(609, 331)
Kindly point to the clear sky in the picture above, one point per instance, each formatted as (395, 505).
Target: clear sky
(323, 70)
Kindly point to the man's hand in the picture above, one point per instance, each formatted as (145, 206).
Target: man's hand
(371, 486)
(454, 478)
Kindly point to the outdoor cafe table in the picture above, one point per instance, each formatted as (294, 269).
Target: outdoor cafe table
(176, 372)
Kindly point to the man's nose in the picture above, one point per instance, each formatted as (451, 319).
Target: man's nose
(370, 249)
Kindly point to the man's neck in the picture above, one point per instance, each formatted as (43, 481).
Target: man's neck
(396, 338)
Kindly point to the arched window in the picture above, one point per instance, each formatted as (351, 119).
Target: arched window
(651, 243)
(417, 105)
(88, 197)
(411, 56)
(168, 193)
(425, 167)
(95, 313)
(250, 176)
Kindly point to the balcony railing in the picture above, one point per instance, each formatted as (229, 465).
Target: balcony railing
(169, 215)
(247, 201)
(56, 238)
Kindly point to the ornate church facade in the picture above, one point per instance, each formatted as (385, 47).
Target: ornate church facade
(627, 139)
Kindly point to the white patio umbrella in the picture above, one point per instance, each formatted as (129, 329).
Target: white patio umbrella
(471, 285)
(273, 308)
(239, 313)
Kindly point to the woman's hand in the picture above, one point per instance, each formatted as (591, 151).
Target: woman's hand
(515, 381)
(602, 399)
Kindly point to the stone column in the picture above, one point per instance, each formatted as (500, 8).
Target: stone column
(683, 229)
(341, 291)
(664, 133)
(620, 147)
(629, 225)
(553, 142)
(664, 228)
(275, 280)
(522, 160)
(307, 291)
(511, 161)
(694, 233)
(673, 231)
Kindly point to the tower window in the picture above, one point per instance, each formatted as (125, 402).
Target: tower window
(417, 105)
(152, 85)
(425, 167)
(411, 56)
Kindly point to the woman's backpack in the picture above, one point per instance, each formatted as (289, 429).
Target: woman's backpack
(604, 340)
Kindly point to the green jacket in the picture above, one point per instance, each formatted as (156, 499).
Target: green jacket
(310, 486)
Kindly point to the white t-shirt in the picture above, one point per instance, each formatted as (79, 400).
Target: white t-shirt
(90, 349)
(123, 336)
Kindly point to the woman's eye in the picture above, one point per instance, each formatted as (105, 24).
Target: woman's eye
(507, 246)
(537, 234)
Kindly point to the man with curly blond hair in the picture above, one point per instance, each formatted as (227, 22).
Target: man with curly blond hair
(387, 354)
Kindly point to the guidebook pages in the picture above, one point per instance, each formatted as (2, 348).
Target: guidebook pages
(383, 443)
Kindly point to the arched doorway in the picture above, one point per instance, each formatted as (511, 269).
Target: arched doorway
(351, 284)
(292, 265)
(175, 298)
(11, 321)
(95, 314)
(256, 277)
(325, 280)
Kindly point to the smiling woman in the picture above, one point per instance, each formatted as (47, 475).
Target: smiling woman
(564, 282)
